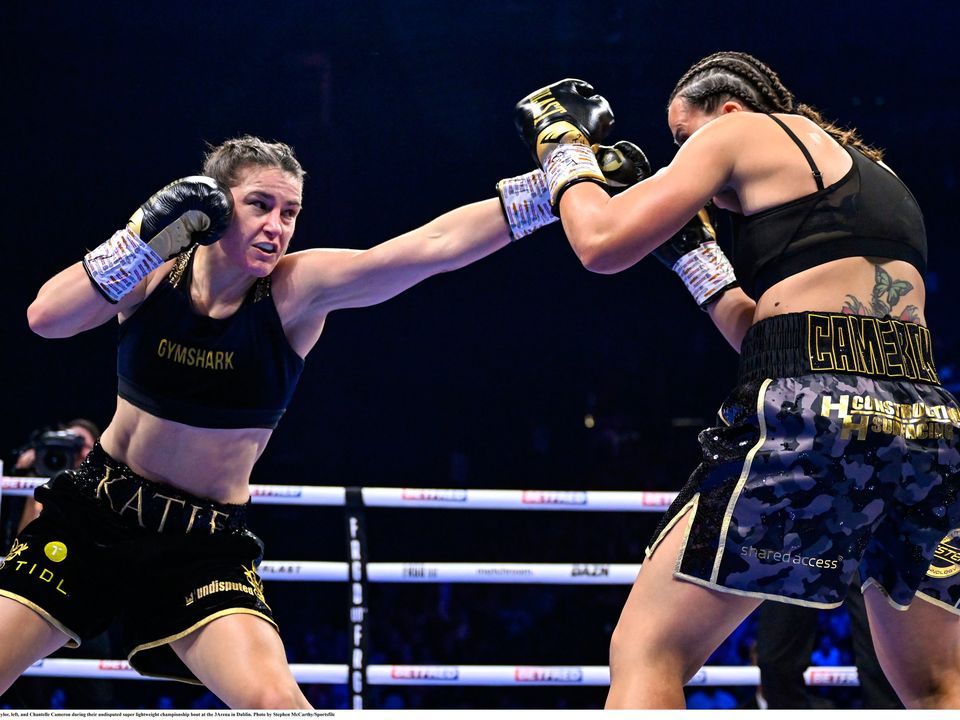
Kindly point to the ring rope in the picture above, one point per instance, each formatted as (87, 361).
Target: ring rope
(473, 675)
(440, 498)
(481, 573)
(512, 573)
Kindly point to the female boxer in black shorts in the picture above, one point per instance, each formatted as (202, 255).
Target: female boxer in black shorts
(215, 321)
(837, 449)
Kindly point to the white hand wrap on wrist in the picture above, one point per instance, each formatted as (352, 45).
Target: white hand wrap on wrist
(525, 200)
(569, 163)
(117, 266)
(705, 271)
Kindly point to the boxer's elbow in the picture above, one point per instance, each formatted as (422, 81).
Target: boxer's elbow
(40, 320)
(598, 255)
(45, 320)
(600, 264)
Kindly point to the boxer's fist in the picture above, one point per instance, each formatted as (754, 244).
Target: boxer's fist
(623, 164)
(559, 123)
(698, 231)
(195, 209)
(568, 111)
(525, 199)
(693, 254)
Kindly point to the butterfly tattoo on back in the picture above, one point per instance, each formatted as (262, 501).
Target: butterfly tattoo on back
(887, 292)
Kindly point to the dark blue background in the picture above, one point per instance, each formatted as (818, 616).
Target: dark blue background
(400, 110)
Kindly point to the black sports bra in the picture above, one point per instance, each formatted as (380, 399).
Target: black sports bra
(867, 212)
(236, 372)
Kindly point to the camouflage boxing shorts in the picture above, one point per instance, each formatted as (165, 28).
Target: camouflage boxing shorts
(838, 450)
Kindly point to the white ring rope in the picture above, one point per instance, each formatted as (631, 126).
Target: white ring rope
(484, 573)
(493, 675)
(440, 498)
(423, 572)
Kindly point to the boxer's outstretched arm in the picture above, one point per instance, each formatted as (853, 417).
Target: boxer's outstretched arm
(331, 279)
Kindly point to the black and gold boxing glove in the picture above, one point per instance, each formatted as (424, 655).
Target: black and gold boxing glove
(693, 254)
(525, 199)
(623, 164)
(560, 123)
(195, 209)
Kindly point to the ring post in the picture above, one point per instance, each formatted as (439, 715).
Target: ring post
(357, 550)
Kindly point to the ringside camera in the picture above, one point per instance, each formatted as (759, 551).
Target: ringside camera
(55, 451)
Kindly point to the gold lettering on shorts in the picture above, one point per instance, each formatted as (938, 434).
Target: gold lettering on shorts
(841, 407)
(843, 345)
(166, 509)
(922, 343)
(870, 346)
(254, 588)
(193, 516)
(138, 497)
(891, 349)
(859, 427)
(104, 487)
(862, 414)
(214, 514)
(867, 342)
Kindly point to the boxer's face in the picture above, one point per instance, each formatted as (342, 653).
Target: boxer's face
(684, 119)
(266, 203)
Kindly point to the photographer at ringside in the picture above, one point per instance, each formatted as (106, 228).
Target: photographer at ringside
(46, 453)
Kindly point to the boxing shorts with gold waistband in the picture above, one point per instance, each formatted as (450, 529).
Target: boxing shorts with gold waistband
(112, 544)
(837, 450)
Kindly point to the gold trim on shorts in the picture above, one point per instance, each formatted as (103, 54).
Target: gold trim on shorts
(196, 626)
(760, 596)
(673, 521)
(686, 535)
(871, 582)
(73, 642)
(938, 603)
(735, 495)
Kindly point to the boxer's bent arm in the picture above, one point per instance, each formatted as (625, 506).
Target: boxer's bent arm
(733, 315)
(112, 279)
(330, 280)
(611, 234)
(68, 303)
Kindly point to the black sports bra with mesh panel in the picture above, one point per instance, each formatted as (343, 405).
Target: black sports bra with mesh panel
(867, 212)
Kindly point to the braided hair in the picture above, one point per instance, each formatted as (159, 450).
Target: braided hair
(725, 75)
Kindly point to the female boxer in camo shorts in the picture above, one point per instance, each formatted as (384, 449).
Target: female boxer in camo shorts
(837, 450)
